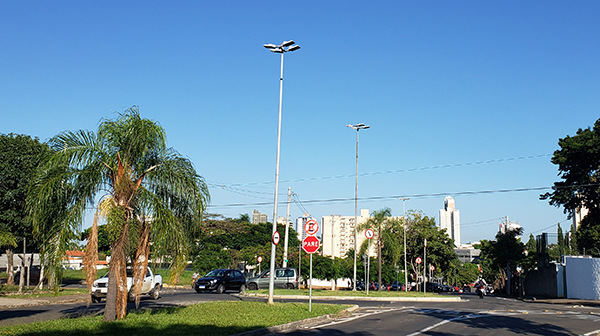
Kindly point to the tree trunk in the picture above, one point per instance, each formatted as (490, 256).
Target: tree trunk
(41, 280)
(141, 260)
(23, 265)
(11, 267)
(116, 297)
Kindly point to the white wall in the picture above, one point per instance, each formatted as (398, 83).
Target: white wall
(583, 278)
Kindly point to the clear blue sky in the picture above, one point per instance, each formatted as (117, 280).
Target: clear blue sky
(475, 85)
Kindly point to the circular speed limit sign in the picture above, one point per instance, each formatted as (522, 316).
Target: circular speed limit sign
(369, 233)
(418, 260)
(259, 259)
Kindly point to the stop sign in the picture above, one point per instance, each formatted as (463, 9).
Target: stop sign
(310, 244)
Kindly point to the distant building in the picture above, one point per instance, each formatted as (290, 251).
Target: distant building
(508, 226)
(467, 254)
(578, 215)
(258, 217)
(450, 220)
(338, 234)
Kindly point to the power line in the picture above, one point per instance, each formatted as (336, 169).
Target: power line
(455, 165)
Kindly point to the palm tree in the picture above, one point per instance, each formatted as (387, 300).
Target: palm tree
(377, 222)
(144, 190)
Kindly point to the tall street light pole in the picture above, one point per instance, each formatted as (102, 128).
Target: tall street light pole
(404, 199)
(284, 47)
(357, 127)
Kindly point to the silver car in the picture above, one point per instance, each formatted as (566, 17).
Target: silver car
(284, 278)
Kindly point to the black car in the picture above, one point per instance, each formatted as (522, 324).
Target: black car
(221, 280)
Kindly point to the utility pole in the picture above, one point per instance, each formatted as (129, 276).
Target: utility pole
(287, 229)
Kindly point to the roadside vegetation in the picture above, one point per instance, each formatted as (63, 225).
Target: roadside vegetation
(211, 318)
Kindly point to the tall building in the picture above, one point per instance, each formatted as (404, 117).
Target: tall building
(578, 215)
(338, 234)
(450, 220)
(258, 217)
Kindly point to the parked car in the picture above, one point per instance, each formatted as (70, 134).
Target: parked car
(467, 289)
(221, 280)
(284, 278)
(433, 287)
(447, 288)
(151, 285)
(396, 286)
(360, 285)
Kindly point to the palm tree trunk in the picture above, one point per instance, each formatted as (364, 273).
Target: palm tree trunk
(91, 255)
(141, 260)
(116, 297)
(11, 267)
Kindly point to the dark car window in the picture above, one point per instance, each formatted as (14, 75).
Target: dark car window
(238, 274)
(148, 274)
(280, 273)
(289, 273)
(216, 273)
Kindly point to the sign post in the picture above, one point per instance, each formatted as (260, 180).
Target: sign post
(369, 234)
(424, 263)
(310, 245)
(418, 261)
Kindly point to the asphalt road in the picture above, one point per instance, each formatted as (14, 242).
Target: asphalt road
(472, 316)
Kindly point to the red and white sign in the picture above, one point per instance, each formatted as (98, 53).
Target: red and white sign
(432, 268)
(418, 260)
(276, 237)
(259, 259)
(311, 244)
(311, 227)
(369, 233)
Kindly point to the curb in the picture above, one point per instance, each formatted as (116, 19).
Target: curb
(362, 298)
(296, 325)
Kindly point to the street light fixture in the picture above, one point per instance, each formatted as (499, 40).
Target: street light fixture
(284, 47)
(357, 127)
(404, 215)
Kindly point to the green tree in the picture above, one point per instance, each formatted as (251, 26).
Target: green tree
(147, 192)
(503, 255)
(578, 161)
(377, 222)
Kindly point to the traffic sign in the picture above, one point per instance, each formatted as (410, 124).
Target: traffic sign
(311, 227)
(276, 237)
(432, 268)
(311, 244)
(259, 259)
(369, 233)
(418, 260)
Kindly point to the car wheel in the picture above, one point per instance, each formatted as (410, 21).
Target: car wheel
(242, 289)
(131, 296)
(252, 286)
(96, 299)
(289, 286)
(221, 289)
(155, 292)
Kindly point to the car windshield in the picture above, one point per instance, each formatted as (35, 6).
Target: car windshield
(216, 273)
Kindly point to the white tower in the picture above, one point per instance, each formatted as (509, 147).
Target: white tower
(450, 220)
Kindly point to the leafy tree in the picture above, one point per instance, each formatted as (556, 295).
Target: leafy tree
(377, 222)
(504, 254)
(147, 192)
(103, 239)
(211, 257)
(578, 161)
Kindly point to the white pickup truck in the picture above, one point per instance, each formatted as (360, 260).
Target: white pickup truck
(152, 284)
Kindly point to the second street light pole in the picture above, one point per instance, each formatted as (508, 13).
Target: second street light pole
(357, 127)
(286, 46)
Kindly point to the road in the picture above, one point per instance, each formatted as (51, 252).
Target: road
(472, 316)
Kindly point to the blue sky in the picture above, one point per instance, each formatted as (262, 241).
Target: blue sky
(487, 88)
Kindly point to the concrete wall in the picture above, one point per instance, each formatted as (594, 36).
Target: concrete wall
(542, 282)
(583, 278)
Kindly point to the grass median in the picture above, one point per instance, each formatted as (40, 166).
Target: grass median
(341, 293)
(210, 318)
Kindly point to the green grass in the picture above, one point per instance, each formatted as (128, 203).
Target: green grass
(12, 292)
(211, 318)
(324, 292)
